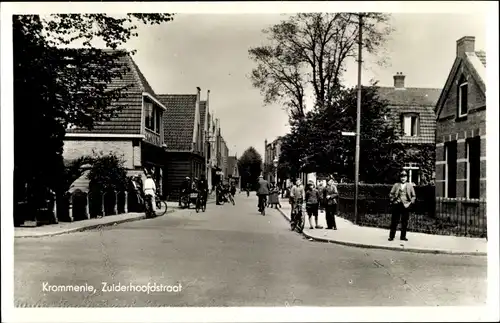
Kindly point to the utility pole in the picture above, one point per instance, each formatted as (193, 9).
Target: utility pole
(358, 119)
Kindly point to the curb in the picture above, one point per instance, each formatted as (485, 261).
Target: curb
(366, 246)
(96, 226)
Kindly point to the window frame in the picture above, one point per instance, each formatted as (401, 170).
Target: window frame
(156, 117)
(415, 125)
(462, 84)
(411, 168)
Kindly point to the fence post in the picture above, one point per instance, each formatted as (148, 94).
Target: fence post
(54, 208)
(70, 207)
(115, 208)
(125, 207)
(102, 204)
(87, 205)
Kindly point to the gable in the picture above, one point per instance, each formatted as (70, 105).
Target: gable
(179, 120)
(446, 105)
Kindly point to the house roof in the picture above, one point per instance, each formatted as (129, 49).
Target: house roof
(127, 120)
(476, 63)
(412, 100)
(179, 120)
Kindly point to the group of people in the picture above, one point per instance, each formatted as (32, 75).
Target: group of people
(145, 191)
(315, 198)
(223, 189)
(194, 185)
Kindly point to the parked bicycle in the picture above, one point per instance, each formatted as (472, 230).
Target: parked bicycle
(161, 206)
(298, 220)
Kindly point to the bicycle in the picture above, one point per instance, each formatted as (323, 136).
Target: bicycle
(298, 221)
(161, 206)
(230, 198)
(201, 203)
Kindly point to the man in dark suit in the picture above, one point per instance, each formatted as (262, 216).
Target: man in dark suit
(262, 192)
(402, 197)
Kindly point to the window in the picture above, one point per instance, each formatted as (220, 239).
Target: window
(411, 125)
(413, 173)
(473, 167)
(451, 169)
(462, 97)
(153, 117)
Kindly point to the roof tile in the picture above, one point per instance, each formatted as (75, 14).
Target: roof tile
(179, 120)
(412, 100)
(128, 119)
(482, 56)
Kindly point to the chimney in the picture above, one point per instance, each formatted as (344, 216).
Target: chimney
(465, 45)
(399, 80)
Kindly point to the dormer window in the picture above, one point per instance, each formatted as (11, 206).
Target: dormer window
(153, 116)
(411, 124)
(463, 89)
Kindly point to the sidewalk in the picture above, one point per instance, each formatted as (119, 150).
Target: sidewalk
(350, 234)
(69, 227)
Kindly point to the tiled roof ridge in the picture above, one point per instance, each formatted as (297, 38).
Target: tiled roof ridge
(409, 88)
(166, 94)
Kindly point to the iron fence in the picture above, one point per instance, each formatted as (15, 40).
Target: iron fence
(444, 216)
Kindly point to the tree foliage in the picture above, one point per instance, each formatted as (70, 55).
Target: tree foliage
(250, 166)
(108, 173)
(56, 86)
(316, 144)
(311, 51)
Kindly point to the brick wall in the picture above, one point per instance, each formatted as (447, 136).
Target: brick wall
(449, 129)
(78, 147)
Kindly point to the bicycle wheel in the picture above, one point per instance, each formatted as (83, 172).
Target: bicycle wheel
(162, 209)
(232, 199)
(204, 205)
(197, 207)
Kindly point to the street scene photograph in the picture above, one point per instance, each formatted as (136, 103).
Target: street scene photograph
(294, 159)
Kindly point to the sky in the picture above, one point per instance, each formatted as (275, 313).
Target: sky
(211, 51)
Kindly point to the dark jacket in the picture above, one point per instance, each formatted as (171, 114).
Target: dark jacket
(312, 196)
(202, 185)
(332, 192)
(263, 187)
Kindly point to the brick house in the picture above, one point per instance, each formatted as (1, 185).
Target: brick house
(411, 110)
(184, 139)
(135, 133)
(461, 126)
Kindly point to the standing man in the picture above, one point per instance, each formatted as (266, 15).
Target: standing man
(297, 195)
(262, 192)
(402, 197)
(330, 195)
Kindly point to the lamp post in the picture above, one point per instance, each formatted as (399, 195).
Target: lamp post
(275, 163)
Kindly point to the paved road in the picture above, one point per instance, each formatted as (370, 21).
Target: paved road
(232, 256)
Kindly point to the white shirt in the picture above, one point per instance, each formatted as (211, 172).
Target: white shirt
(149, 187)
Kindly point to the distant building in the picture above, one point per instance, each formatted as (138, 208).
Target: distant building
(461, 126)
(272, 152)
(411, 111)
(184, 140)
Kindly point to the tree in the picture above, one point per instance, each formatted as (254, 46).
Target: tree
(316, 144)
(108, 173)
(250, 166)
(55, 87)
(311, 50)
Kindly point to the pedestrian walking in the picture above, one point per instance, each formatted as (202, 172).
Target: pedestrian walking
(312, 205)
(330, 195)
(402, 197)
(262, 192)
